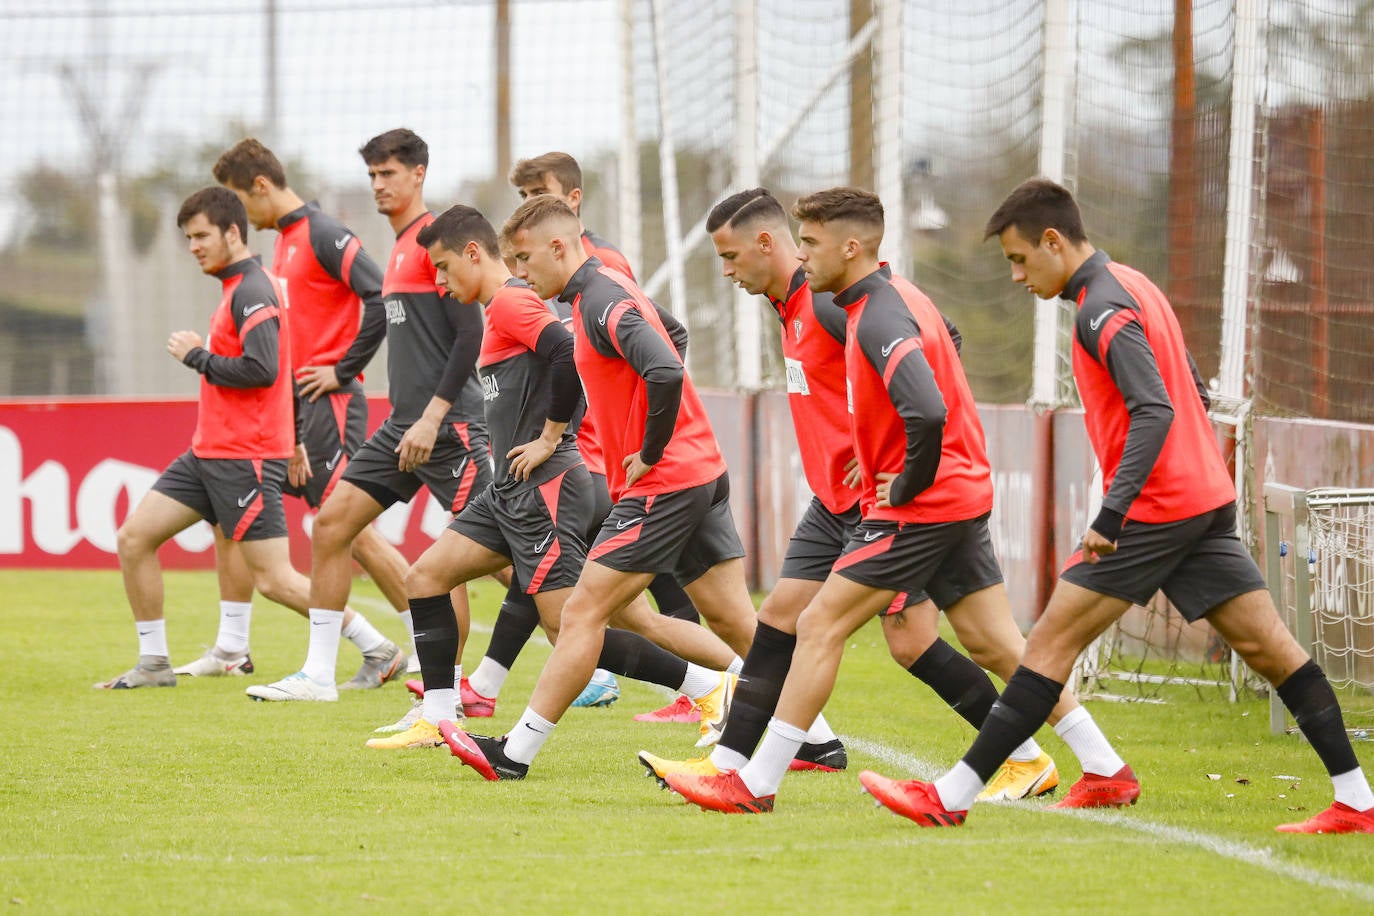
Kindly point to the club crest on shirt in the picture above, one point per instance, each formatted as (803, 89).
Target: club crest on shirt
(797, 329)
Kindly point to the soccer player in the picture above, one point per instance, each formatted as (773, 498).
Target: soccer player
(926, 497)
(1168, 520)
(663, 468)
(435, 436)
(540, 509)
(233, 474)
(559, 174)
(329, 284)
(754, 241)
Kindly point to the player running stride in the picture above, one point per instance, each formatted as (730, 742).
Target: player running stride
(232, 476)
(1168, 521)
(663, 466)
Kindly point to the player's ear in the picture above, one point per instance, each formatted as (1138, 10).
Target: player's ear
(765, 241)
(472, 250)
(1051, 240)
(575, 199)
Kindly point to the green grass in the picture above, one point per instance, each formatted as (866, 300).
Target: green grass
(197, 799)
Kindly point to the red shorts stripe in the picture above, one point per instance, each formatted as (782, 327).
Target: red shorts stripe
(611, 544)
(863, 553)
(551, 556)
(246, 520)
(460, 499)
(549, 491)
(338, 402)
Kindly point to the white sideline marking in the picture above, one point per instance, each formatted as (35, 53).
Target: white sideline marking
(1228, 849)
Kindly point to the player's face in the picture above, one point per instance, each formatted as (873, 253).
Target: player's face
(1038, 265)
(395, 185)
(821, 249)
(533, 256)
(548, 184)
(207, 243)
(744, 258)
(456, 272)
(258, 206)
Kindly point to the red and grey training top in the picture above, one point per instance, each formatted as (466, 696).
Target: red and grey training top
(911, 410)
(638, 392)
(432, 339)
(325, 275)
(597, 247)
(813, 335)
(528, 377)
(1144, 403)
(247, 409)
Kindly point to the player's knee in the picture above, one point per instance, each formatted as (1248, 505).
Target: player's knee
(421, 581)
(330, 532)
(131, 543)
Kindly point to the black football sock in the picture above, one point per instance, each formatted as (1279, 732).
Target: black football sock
(1309, 697)
(760, 686)
(957, 680)
(635, 657)
(1021, 709)
(672, 601)
(515, 623)
(436, 639)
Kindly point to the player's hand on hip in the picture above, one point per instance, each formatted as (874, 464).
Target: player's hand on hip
(884, 488)
(852, 476)
(525, 458)
(1095, 546)
(317, 380)
(417, 444)
(634, 468)
(298, 468)
(183, 342)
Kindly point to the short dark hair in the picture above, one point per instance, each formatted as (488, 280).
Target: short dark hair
(560, 165)
(245, 161)
(536, 211)
(221, 207)
(457, 226)
(1037, 205)
(746, 208)
(835, 204)
(402, 143)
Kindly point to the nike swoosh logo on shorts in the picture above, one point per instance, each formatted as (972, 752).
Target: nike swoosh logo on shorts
(621, 526)
(544, 543)
(329, 465)
(872, 535)
(458, 471)
(249, 498)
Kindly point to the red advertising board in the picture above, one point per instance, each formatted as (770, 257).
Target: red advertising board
(71, 470)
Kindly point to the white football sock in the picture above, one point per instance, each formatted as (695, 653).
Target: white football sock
(438, 705)
(527, 737)
(152, 637)
(1027, 751)
(1353, 789)
(323, 654)
(234, 619)
(363, 634)
(959, 787)
(764, 771)
(726, 759)
(408, 619)
(488, 678)
(699, 681)
(1095, 753)
(736, 666)
(820, 732)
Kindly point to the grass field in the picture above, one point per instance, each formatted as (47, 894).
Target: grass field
(196, 799)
